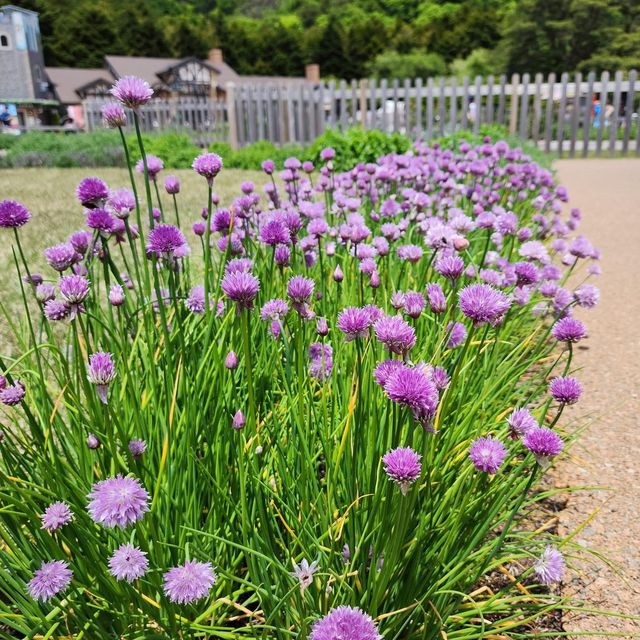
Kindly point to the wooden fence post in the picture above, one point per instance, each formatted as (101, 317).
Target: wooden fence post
(363, 104)
(513, 115)
(231, 115)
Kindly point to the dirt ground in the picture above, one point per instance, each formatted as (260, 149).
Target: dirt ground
(608, 455)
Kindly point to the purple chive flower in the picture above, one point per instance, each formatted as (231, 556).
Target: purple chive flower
(208, 165)
(195, 301)
(300, 289)
(50, 579)
(338, 275)
(274, 309)
(128, 563)
(74, 289)
(409, 252)
(172, 185)
(397, 335)
(327, 154)
(55, 516)
(165, 239)
(414, 304)
(116, 295)
(544, 443)
(101, 371)
(587, 296)
(320, 361)
(113, 116)
(238, 420)
(457, 334)
(137, 448)
(568, 329)
(440, 378)
(93, 442)
(520, 422)
(549, 567)
(154, 166)
(92, 192)
(451, 267)
(304, 573)
(56, 310)
(101, 220)
(80, 240)
(122, 202)
(118, 501)
(345, 622)
(384, 369)
(45, 292)
(189, 582)
(61, 256)
(526, 273)
(487, 454)
(231, 361)
(565, 390)
(482, 303)
(13, 394)
(403, 466)
(199, 228)
(437, 300)
(282, 255)
(322, 327)
(243, 265)
(275, 232)
(132, 92)
(354, 322)
(13, 214)
(414, 388)
(268, 166)
(241, 287)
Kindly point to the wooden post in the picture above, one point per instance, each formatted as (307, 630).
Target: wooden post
(231, 114)
(604, 89)
(513, 115)
(575, 114)
(628, 111)
(586, 125)
(489, 114)
(453, 106)
(478, 100)
(524, 108)
(537, 109)
(363, 103)
(418, 129)
(613, 126)
(548, 118)
(564, 79)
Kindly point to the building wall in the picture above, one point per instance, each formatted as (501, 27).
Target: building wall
(22, 75)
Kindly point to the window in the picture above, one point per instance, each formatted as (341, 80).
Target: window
(4, 41)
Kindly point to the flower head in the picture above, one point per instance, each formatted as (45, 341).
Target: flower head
(113, 116)
(165, 239)
(189, 582)
(320, 360)
(521, 421)
(13, 214)
(74, 289)
(544, 443)
(137, 447)
(457, 334)
(101, 220)
(154, 166)
(241, 287)
(487, 454)
(300, 289)
(101, 371)
(118, 501)
(132, 92)
(56, 309)
(437, 300)
(50, 579)
(208, 165)
(61, 256)
(549, 567)
(482, 303)
(304, 572)
(403, 466)
(565, 390)
(397, 335)
(195, 302)
(451, 267)
(414, 388)
(345, 623)
(92, 192)
(122, 202)
(128, 563)
(568, 329)
(12, 394)
(172, 185)
(354, 322)
(56, 515)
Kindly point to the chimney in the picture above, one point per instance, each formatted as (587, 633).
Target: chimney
(215, 56)
(312, 72)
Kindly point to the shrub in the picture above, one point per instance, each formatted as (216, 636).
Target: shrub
(283, 423)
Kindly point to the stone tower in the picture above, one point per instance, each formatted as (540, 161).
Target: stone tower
(22, 73)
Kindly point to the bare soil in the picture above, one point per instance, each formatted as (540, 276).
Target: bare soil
(608, 454)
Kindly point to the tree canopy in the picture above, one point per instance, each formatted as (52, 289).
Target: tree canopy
(351, 38)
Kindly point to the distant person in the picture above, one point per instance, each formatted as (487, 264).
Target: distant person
(472, 112)
(5, 116)
(596, 109)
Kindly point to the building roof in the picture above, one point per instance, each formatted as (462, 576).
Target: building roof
(145, 68)
(67, 81)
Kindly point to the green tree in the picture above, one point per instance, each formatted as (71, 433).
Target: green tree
(416, 64)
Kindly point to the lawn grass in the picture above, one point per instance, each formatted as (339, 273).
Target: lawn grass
(50, 196)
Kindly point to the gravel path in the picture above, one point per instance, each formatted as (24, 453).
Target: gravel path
(608, 194)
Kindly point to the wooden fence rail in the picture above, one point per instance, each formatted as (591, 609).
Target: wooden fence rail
(562, 114)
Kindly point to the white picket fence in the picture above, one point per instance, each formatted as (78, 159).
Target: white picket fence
(556, 113)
